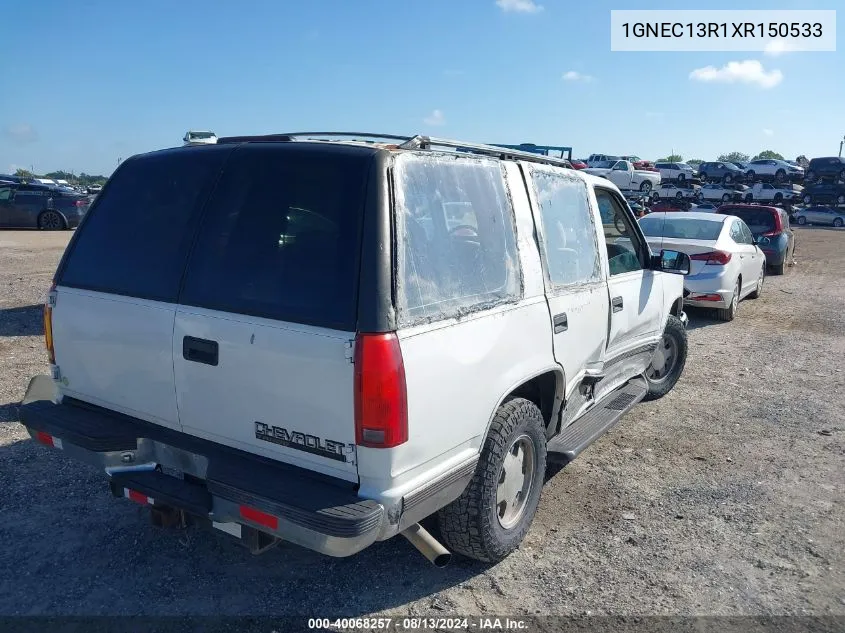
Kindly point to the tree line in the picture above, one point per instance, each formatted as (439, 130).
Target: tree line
(75, 179)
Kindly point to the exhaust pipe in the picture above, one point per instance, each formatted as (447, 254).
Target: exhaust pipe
(427, 545)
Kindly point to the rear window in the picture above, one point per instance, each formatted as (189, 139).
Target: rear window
(135, 239)
(759, 221)
(456, 250)
(280, 238)
(681, 228)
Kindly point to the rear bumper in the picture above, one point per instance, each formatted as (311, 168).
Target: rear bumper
(225, 485)
(707, 284)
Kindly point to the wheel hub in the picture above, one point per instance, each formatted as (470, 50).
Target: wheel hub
(515, 481)
(663, 360)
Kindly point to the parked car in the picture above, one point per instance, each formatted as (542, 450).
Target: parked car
(779, 170)
(714, 191)
(285, 392)
(727, 265)
(38, 206)
(670, 204)
(675, 189)
(722, 171)
(767, 192)
(577, 163)
(594, 159)
(644, 165)
(10, 178)
(199, 137)
(824, 193)
(770, 228)
(821, 215)
(740, 164)
(704, 207)
(95, 188)
(675, 171)
(622, 174)
(831, 167)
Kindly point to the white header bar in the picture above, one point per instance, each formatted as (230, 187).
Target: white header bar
(773, 31)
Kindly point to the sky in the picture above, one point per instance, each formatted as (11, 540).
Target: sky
(89, 82)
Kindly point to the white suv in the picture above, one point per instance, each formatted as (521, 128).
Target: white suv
(327, 341)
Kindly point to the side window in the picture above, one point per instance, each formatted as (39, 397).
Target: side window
(569, 233)
(625, 250)
(5, 194)
(456, 242)
(736, 232)
(747, 237)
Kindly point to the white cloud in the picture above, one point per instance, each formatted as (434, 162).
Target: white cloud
(749, 71)
(21, 133)
(519, 6)
(768, 132)
(574, 75)
(774, 48)
(435, 118)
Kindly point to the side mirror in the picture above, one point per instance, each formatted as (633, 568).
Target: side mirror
(672, 262)
(754, 241)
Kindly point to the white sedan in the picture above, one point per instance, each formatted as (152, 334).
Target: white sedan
(726, 263)
(780, 170)
(672, 190)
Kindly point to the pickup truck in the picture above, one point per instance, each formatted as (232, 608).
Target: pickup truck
(622, 174)
(767, 192)
(327, 342)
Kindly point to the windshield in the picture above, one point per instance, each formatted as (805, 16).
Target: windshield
(604, 164)
(759, 221)
(681, 228)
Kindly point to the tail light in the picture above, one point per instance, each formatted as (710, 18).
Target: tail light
(48, 324)
(712, 258)
(381, 404)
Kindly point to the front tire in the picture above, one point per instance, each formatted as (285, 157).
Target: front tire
(838, 223)
(759, 289)
(801, 220)
(780, 175)
(668, 361)
(645, 187)
(492, 516)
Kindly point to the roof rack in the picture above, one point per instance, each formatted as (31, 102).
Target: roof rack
(418, 141)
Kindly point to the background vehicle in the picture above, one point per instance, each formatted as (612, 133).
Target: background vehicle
(770, 227)
(578, 163)
(829, 168)
(767, 192)
(306, 397)
(779, 170)
(821, 215)
(38, 206)
(675, 189)
(675, 171)
(670, 204)
(714, 191)
(594, 159)
(824, 193)
(199, 137)
(721, 171)
(94, 188)
(622, 174)
(726, 264)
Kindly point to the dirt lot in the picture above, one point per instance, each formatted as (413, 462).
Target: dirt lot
(725, 497)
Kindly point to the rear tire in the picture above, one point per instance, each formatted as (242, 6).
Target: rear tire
(838, 223)
(472, 524)
(801, 220)
(51, 221)
(645, 186)
(729, 313)
(662, 382)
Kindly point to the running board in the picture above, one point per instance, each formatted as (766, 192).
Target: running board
(570, 442)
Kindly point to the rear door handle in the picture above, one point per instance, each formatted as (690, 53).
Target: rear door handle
(616, 304)
(561, 322)
(200, 350)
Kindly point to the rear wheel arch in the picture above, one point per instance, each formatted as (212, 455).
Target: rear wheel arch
(545, 389)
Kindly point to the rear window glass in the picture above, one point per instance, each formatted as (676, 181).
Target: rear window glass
(135, 239)
(280, 239)
(759, 221)
(681, 228)
(456, 249)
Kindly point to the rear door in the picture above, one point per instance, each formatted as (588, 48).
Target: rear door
(118, 284)
(262, 337)
(576, 289)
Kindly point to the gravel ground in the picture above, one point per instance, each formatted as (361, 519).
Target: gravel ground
(726, 497)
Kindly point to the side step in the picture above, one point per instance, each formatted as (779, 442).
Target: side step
(570, 442)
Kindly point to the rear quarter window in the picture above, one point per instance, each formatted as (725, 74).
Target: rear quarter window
(456, 244)
(136, 237)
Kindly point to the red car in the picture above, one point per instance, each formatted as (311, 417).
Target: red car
(645, 165)
(578, 164)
